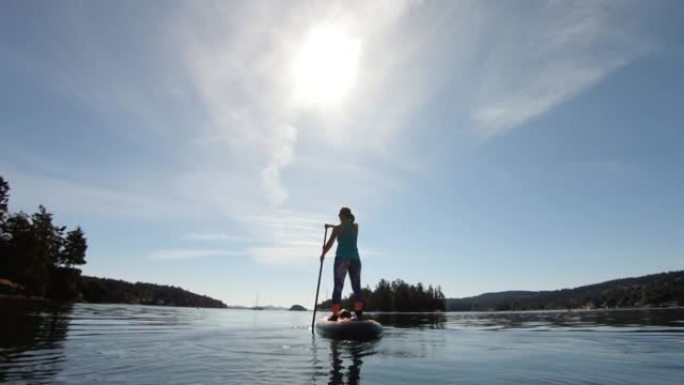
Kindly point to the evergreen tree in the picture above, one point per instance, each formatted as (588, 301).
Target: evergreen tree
(5, 235)
(44, 253)
(35, 254)
(74, 248)
(4, 198)
(398, 296)
(16, 250)
(48, 237)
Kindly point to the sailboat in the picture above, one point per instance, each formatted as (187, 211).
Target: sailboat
(257, 307)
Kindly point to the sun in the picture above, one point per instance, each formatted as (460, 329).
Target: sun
(326, 66)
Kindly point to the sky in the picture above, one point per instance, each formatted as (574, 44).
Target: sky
(483, 146)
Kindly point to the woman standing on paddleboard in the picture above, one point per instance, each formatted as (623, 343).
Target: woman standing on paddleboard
(346, 260)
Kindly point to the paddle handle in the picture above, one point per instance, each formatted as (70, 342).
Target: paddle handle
(318, 285)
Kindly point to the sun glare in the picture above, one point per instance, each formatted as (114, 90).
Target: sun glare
(326, 67)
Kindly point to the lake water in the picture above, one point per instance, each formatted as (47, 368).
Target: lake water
(122, 344)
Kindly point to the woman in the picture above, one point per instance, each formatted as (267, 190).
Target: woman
(346, 260)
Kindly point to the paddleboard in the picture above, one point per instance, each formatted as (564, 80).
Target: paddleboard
(349, 329)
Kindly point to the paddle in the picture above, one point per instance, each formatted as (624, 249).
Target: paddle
(318, 285)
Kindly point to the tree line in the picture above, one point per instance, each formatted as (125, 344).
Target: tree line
(38, 257)
(655, 290)
(105, 290)
(397, 296)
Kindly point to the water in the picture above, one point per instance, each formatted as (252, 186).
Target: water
(122, 344)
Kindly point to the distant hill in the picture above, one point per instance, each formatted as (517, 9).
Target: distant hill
(105, 290)
(656, 290)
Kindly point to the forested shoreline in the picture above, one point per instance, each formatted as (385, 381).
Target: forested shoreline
(39, 260)
(106, 290)
(654, 290)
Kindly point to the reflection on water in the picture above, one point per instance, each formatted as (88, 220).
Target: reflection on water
(346, 358)
(31, 332)
(412, 320)
(639, 318)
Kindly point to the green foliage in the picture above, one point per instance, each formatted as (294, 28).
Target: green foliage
(73, 248)
(4, 197)
(64, 283)
(15, 252)
(48, 238)
(398, 296)
(103, 290)
(35, 253)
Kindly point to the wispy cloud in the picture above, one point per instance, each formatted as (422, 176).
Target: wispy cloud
(242, 62)
(281, 155)
(544, 56)
(177, 254)
(84, 199)
(212, 237)
(289, 238)
(505, 64)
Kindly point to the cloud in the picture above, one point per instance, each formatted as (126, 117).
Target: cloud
(243, 64)
(236, 68)
(264, 155)
(179, 254)
(541, 57)
(85, 200)
(289, 238)
(244, 151)
(503, 65)
(211, 237)
(282, 155)
(284, 256)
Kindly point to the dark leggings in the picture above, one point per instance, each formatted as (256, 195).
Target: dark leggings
(340, 271)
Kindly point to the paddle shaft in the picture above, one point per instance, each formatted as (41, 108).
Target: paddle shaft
(318, 285)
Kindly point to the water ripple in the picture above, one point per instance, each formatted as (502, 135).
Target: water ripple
(117, 344)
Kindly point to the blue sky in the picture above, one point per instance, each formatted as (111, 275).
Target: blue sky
(483, 146)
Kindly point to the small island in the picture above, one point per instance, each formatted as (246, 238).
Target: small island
(397, 296)
(297, 308)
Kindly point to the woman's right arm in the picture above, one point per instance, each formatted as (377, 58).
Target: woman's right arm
(330, 242)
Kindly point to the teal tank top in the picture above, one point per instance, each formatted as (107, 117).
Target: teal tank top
(346, 243)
